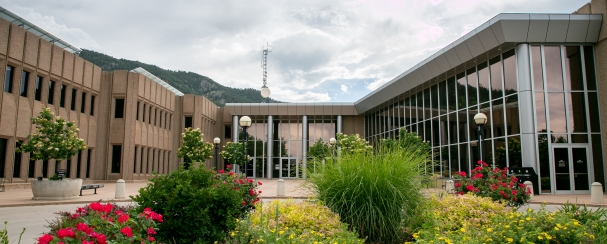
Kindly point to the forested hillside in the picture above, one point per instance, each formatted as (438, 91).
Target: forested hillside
(186, 82)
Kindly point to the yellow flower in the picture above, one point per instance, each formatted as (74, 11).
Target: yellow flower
(281, 232)
(509, 239)
(463, 229)
(556, 228)
(232, 234)
(489, 229)
(540, 237)
(528, 219)
(237, 220)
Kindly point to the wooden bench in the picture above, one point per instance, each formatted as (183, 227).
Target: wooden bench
(90, 187)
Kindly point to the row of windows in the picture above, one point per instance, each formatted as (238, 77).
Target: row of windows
(155, 116)
(8, 85)
(160, 166)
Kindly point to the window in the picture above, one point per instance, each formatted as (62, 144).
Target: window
(188, 122)
(92, 104)
(137, 113)
(116, 154)
(88, 163)
(31, 169)
(68, 170)
(143, 115)
(227, 131)
(78, 165)
(51, 92)
(170, 121)
(8, 82)
(44, 168)
(3, 143)
(83, 102)
(155, 115)
(38, 94)
(73, 104)
(17, 162)
(150, 115)
(135, 161)
(62, 96)
(24, 77)
(119, 110)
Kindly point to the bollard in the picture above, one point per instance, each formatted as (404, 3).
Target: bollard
(596, 193)
(529, 185)
(280, 188)
(450, 186)
(120, 189)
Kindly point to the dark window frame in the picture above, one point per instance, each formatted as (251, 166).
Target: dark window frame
(62, 89)
(51, 92)
(119, 108)
(38, 89)
(8, 81)
(83, 102)
(24, 83)
(116, 159)
(73, 101)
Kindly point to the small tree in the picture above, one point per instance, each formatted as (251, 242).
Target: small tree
(319, 150)
(233, 153)
(193, 148)
(54, 138)
(352, 143)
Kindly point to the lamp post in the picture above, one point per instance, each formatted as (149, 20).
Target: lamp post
(245, 122)
(216, 141)
(332, 141)
(480, 119)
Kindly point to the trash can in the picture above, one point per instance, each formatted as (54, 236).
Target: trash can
(526, 174)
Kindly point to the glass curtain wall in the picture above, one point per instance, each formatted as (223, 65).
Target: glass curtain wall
(442, 113)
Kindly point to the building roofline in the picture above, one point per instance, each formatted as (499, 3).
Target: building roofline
(500, 32)
(157, 80)
(36, 30)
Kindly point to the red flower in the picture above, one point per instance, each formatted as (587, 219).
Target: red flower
(244, 203)
(67, 232)
(157, 217)
(470, 187)
(231, 173)
(228, 166)
(462, 173)
(259, 183)
(101, 239)
(151, 238)
(80, 210)
(221, 171)
(127, 231)
(123, 218)
(75, 216)
(457, 184)
(44, 239)
(259, 192)
(514, 192)
(96, 206)
(83, 227)
(108, 208)
(151, 231)
(477, 176)
(252, 192)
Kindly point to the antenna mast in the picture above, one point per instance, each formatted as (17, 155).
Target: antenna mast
(265, 91)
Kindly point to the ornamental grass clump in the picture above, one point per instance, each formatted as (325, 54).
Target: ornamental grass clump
(493, 183)
(373, 193)
(103, 223)
(199, 205)
(292, 222)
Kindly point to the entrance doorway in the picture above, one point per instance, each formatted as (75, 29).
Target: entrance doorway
(571, 166)
(288, 168)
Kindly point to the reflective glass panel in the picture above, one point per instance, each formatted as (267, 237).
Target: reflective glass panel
(558, 138)
(461, 91)
(483, 83)
(554, 75)
(512, 119)
(577, 111)
(593, 107)
(452, 128)
(463, 125)
(497, 86)
(472, 87)
(498, 118)
(500, 152)
(434, 96)
(597, 158)
(443, 97)
(452, 93)
(510, 72)
(556, 108)
(454, 158)
(540, 112)
(589, 66)
(427, 107)
(420, 107)
(464, 158)
(573, 66)
(543, 152)
(514, 152)
(536, 63)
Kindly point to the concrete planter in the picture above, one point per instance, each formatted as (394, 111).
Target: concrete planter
(56, 189)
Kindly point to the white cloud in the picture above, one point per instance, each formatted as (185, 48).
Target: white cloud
(315, 45)
(344, 88)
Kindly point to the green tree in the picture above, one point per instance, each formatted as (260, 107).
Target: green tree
(193, 148)
(54, 138)
(319, 151)
(352, 143)
(233, 153)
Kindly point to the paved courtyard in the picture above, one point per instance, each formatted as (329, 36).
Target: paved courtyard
(20, 211)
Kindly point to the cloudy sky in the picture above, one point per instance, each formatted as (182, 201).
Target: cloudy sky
(321, 50)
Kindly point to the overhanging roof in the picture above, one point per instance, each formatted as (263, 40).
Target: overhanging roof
(157, 80)
(502, 30)
(28, 26)
(291, 109)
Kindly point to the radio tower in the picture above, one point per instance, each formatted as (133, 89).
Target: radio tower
(265, 91)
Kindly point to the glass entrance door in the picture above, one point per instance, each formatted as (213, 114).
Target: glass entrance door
(288, 168)
(570, 164)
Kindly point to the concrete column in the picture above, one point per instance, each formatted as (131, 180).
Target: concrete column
(235, 128)
(304, 144)
(339, 124)
(596, 193)
(449, 186)
(269, 164)
(525, 107)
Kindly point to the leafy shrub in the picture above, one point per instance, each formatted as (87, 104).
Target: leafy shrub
(373, 194)
(103, 223)
(199, 205)
(290, 221)
(193, 148)
(493, 183)
(452, 212)
(595, 220)
(516, 227)
(352, 144)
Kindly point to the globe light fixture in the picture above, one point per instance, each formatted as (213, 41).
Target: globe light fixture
(480, 120)
(216, 141)
(245, 122)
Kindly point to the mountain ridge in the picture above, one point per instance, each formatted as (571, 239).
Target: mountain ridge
(184, 81)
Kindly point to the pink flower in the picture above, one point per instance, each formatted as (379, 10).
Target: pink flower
(221, 171)
(228, 166)
(259, 183)
(151, 238)
(231, 173)
(75, 216)
(127, 231)
(87, 242)
(151, 231)
(101, 239)
(67, 232)
(470, 187)
(123, 218)
(44, 239)
(259, 192)
(80, 210)
(457, 184)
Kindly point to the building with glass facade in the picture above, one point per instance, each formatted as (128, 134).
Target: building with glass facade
(537, 77)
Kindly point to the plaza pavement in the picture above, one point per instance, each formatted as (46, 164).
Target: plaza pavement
(18, 208)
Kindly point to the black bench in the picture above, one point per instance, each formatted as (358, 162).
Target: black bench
(90, 187)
